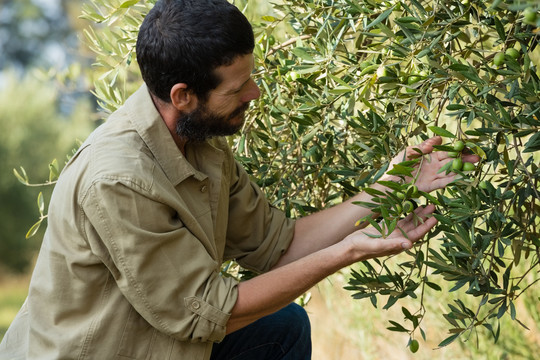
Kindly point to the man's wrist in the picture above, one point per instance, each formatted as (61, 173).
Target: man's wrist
(348, 251)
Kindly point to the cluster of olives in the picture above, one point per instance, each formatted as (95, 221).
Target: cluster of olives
(458, 164)
(406, 205)
(530, 16)
(500, 57)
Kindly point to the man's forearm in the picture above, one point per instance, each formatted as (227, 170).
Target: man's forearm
(271, 291)
(327, 227)
(275, 289)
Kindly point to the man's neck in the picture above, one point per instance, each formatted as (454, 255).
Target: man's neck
(170, 115)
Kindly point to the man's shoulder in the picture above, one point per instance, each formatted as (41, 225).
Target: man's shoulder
(112, 153)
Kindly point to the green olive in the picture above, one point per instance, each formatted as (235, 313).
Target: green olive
(292, 75)
(453, 154)
(457, 164)
(459, 145)
(513, 53)
(530, 15)
(468, 166)
(414, 346)
(412, 191)
(407, 206)
(399, 195)
(382, 71)
(498, 60)
(413, 79)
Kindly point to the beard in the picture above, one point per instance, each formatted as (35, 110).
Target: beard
(202, 124)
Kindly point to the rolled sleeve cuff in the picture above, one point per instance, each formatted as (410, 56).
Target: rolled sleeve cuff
(211, 324)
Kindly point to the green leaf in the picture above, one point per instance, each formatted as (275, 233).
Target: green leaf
(41, 203)
(380, 18)
(374, 192)
(433, 286)
(34, 229)
(390, 184)
(449, 340)
(392, 226)
(53, 170)
(128, 3)
(512, 310)
(396, 327)
(401, 170)
(533, 144)
(22, 177)
(500, 28)
(269, 18)
(303, 54)
(452, 107)
(460, 67)
(441, 132)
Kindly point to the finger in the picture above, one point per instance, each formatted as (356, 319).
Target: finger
(398, 244)
(441, 182)
(426, 147)
(421, 213)
(418, 230)
(421, 230)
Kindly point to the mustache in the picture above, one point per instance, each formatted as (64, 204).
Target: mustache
(239, 111)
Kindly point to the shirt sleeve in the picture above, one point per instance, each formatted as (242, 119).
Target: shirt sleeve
(258, 234)
(164, 271)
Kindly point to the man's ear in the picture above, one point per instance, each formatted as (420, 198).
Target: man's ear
(182, 98)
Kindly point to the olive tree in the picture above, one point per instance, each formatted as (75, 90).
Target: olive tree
(348, 84)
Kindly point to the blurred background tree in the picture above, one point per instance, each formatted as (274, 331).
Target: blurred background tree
(45, 106)
(37, 33)
(34, 132)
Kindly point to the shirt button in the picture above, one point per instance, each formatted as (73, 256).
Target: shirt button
(203, 188)
(196, 305)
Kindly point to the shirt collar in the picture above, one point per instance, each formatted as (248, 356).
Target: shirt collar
(150, 125)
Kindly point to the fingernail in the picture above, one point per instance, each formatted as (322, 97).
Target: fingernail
(406, 245)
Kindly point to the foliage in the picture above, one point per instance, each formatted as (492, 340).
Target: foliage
(345, 86)
(31, 32)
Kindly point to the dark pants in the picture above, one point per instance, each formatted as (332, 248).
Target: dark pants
(286, 334)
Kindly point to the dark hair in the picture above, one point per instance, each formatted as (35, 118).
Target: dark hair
(183, 41)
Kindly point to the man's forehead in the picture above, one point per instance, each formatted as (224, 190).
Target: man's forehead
(238, 73)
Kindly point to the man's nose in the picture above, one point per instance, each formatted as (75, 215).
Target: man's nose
(252, 92)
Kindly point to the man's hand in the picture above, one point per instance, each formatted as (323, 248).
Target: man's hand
(428, 177)
(414, 226)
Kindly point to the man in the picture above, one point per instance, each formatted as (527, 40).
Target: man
(145, 213)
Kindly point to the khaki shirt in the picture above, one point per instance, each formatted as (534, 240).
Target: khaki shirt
(130, 263)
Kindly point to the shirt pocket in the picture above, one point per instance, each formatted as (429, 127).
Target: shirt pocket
(141, 341)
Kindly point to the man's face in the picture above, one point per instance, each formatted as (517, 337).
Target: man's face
(202, 123)
(223, 112)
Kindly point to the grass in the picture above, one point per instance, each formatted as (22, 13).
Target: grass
(13, 291)
(344, 328)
